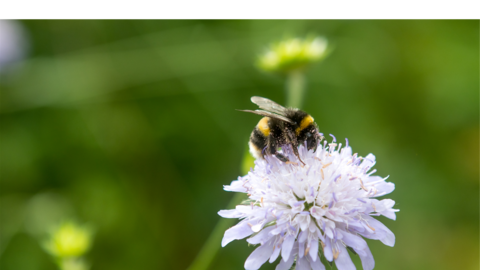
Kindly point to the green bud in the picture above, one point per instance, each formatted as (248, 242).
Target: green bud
(292, 54)
(68, 240)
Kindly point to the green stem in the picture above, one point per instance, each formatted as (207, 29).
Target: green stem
(212, 245)
(295, 88)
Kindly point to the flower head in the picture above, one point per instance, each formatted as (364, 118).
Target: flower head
(69, 240)
(292, 54)
(296, 211)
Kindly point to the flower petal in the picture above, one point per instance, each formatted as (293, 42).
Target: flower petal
(354, 241)
(368, 263)
(262, 237)
(383, 233)
(236, 185)
(301, 249)
(343, 261)
(232, 213)
(313, 249)
(327, 251)
(317, 265)
(237, 232)
(258, 257)
(302, 264)
(287, 247)
(286, 264)
(275, 254)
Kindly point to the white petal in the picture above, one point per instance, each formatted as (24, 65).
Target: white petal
(368, 263)
(237, 232)
(302, 264)
(275, 254)
(327, 251)
(317, 265)
(232, 213)
(343, 261)
(353, 241)
(302, 236)
(287, 247)
(389, 214)
(383, 188)
(258, 227)
(313, 249)
(262, 237)
(301, 249)
(388, 238)
(285, 265)
(236, 186)
(258, 257)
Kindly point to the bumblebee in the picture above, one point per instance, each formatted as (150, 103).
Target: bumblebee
(280, 127)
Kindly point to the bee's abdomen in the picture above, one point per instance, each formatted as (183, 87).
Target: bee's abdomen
(258, 138)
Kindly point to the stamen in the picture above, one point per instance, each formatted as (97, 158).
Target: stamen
(335, 253)
(334, 139)
(368, 225)
(307, 249)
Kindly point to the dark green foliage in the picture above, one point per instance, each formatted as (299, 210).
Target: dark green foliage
(131, 126)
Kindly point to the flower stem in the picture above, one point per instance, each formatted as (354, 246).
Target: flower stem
(212, 245)
(295, 88)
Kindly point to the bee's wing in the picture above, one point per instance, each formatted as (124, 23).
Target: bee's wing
(268, 105)
(270, 114)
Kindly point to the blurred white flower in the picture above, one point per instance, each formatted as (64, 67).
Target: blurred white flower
(296, 211)
(13, 42)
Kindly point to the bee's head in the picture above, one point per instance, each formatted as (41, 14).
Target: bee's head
(312, 137)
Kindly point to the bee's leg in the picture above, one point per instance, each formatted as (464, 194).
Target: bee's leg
(295, 151)
(281, 157)
(272, 150)
(292, 140)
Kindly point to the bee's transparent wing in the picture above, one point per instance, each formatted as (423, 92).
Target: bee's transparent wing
(270, 114)
(268, 105)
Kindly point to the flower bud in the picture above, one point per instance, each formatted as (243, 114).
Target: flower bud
(292, 54)
(69, 240)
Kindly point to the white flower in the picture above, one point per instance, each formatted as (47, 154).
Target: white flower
(13, 43)
(296, 211)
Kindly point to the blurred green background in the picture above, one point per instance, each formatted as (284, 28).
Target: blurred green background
(130, 127)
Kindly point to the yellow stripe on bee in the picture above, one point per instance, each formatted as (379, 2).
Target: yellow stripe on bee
(263, 126)
(305, 123)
